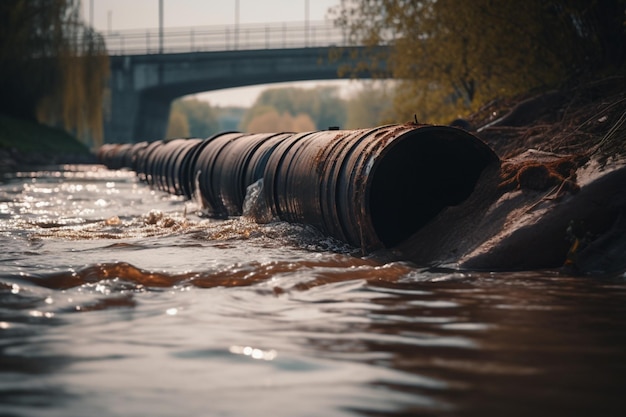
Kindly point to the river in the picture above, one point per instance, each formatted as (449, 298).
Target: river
(118, 300)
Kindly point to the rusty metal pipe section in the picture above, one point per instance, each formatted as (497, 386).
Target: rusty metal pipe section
(372, 188)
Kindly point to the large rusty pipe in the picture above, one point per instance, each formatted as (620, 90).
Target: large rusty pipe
(372, 188)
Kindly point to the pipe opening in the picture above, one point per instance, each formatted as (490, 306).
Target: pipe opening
(418, 178)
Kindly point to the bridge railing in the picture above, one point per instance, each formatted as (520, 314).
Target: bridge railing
(225, 38)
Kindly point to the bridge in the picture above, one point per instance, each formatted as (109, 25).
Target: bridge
(151, 68)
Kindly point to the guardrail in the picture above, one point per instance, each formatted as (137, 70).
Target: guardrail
(225, 38)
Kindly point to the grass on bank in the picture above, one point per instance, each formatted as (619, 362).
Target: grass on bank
(27, 137)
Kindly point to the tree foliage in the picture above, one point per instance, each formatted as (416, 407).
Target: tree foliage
(229, 117)
(452, 55)
(53, 68)
(177, 125)
(272, 121)
(200, 117)
(369, 107)
(323, 105)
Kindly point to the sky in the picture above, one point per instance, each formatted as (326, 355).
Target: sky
(144, 14)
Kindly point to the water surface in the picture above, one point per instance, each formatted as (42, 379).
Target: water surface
(116, 300)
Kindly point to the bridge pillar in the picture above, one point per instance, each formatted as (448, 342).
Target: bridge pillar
(119, 124)
(137, 113)
(151, 117)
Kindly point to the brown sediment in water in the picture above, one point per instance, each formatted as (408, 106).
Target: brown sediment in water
(321, 272)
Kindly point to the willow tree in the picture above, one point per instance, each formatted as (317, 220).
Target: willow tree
(53, 68)
(453, 55)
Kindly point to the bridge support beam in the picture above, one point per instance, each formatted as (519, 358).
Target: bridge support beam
(119, 121)
(152, 117)
(136, 113)
(119, 126)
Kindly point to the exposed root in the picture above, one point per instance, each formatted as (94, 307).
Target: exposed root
(538, 175)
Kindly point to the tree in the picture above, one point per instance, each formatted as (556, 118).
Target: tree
(53, 68)
(229, 117)
(272, 121)
(452, 55)
(302, 123)
(178, 126)
(200, 116)
(323, 105)
(369, 107)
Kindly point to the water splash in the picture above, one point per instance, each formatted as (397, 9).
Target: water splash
(254, 205)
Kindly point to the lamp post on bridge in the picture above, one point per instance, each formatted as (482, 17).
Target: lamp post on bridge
(306, 23)
(91, 14)
(160, 26)
(236, 24)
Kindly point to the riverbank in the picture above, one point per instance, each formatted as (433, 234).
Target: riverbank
(557, 200)
(26, 143)
(583, 119)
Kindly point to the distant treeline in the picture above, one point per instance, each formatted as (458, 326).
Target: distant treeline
(286, 109)
(53, 68)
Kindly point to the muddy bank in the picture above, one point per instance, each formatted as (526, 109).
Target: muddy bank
(558, 199)
(585, 119)
(577, 225)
